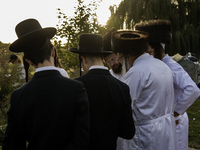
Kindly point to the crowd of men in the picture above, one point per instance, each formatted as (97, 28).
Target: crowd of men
(139, 104)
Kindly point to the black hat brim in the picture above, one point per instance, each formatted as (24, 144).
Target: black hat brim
(18, 45)
(79, 51)
(129, 41)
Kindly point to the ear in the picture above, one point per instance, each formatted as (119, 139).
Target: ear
(30, 62)
(83, 59)
(129, 56)
(102, 58)
(53, 52)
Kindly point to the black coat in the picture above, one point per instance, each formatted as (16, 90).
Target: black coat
(110, 109)
(51, 112)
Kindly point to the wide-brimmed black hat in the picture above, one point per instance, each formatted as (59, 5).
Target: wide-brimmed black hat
(90, 44)
(28, 31)
(129, 41)
(107, 39)
(159, 30)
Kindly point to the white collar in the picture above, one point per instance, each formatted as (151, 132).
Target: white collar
(163, 45)
(98, 67)
(46, 68)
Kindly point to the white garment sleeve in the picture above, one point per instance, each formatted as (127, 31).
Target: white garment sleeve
(186, 90)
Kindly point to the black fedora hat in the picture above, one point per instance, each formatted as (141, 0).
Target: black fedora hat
(27, 31)
(129, 41)
(90, 44)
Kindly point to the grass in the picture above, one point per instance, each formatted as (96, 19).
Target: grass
(194, 124)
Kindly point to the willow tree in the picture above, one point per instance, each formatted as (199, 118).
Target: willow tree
(182, 13)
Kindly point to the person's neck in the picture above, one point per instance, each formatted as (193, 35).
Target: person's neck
(97, 62)
(46, 63)
(163, 55)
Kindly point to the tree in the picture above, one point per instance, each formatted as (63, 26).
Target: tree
(69, 28)
(182, 13)
(9, 75)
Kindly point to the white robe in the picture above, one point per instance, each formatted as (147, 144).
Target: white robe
(152, 94)
(186, 92)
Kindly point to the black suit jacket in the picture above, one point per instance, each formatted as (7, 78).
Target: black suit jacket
(51, 112)
(110, 109)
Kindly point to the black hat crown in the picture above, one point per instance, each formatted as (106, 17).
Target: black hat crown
(107, 39)
(90, 44)
(27, 27)
(27, 31)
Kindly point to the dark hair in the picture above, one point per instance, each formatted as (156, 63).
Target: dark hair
(139, 52)
(13, 57)
(26, 68)
(56, 58)
(39, 53)
(198, 84)
(158, 50)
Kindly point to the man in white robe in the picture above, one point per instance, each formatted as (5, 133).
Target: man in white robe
(186, 90)
(151, 88)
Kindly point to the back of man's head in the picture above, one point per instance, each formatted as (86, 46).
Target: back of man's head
(40, 51)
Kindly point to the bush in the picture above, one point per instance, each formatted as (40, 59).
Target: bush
(9, 76)
(2, 131)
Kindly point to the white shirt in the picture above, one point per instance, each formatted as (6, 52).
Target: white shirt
(62, 71)
(186, 90)
(152, 92)
(98, 67)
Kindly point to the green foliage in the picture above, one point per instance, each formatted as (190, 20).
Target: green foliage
(3, 46)
(194, 124)
(9, 75)
(70, 28)
(2, 132)
(182, 13)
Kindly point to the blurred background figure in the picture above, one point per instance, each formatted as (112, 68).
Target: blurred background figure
(117, 68)
(58, 64)
(14, 59)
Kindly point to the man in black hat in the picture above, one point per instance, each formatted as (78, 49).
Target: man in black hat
(117, 68)
(109, 98)
(185, 89)
(151, 88)
(50, 111)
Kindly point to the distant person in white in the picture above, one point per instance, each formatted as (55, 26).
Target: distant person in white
(58, 64)
(14, 59)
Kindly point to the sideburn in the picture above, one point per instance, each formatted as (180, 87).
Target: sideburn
(158, 50)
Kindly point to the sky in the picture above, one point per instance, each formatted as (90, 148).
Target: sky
(45, 11)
